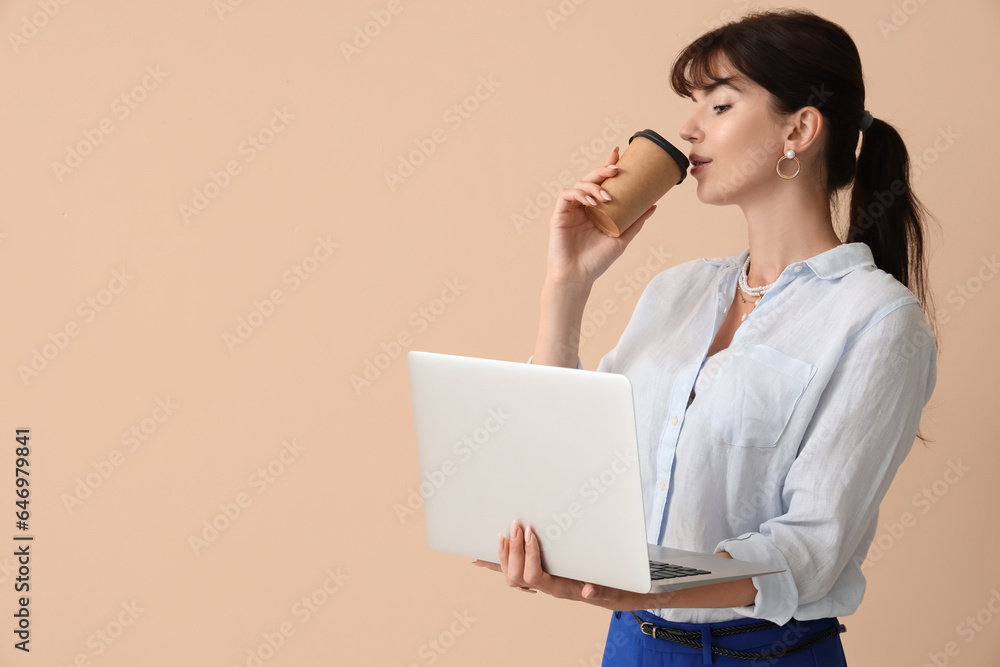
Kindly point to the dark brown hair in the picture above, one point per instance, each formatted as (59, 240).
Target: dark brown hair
(805, 60)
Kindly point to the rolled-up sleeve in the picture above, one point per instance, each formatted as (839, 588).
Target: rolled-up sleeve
(863, 427)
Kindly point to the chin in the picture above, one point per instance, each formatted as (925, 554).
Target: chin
(711, 196)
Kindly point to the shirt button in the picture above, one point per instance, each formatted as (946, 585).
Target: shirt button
(798, 267)
(673, 422)
(662, 486)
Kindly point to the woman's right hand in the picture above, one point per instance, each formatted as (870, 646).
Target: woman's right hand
(579, 251)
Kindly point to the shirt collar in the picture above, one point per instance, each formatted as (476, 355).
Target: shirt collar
(833, 263)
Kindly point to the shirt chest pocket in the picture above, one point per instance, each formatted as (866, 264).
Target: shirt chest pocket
(754, 395)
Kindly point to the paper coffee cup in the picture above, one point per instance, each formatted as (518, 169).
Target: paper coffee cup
(647, 169)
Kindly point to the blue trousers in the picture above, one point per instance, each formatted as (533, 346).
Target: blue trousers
(627, 646)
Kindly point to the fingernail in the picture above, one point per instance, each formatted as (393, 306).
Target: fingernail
(593, 202)
(612, 166)
(529, 535)
(513, 528)
(606, 196)
(616, 148)
(589, 594)
(499, 540)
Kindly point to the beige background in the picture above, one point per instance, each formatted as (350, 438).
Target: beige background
(325, 514)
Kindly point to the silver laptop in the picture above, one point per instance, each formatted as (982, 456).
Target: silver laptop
(552, 447)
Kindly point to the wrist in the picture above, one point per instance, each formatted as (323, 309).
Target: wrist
(562, 305)
(566, 286)
(564, 301)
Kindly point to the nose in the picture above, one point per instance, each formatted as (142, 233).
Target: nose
(690, 131)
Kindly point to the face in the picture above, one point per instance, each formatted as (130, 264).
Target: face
(734, 128)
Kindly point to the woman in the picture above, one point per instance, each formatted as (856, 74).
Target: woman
(777, 390)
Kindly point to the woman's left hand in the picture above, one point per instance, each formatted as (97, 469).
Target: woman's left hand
(520, 558)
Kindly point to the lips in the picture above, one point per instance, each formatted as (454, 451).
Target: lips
(698, 159)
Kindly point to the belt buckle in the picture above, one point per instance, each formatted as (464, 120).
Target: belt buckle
(651, 628)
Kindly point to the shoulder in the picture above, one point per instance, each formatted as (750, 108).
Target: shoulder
(851, 267)
(892, 331)
(878, 295)
(878, 284)
(854, 290)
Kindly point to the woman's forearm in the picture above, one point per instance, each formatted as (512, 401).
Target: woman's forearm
(558, 342)
(737, 593)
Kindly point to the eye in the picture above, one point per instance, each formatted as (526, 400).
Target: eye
(721, 106)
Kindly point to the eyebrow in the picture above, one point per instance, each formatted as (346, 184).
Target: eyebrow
(712, 86)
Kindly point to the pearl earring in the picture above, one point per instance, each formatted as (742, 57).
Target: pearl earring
(789, 155)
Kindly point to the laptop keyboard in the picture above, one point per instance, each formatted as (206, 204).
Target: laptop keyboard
(669, 571)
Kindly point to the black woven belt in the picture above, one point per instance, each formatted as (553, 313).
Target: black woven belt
(692, 638)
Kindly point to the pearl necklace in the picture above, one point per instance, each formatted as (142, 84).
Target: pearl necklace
(742, 319)
(753, 291)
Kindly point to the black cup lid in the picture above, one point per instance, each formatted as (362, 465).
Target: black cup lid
(672, 151)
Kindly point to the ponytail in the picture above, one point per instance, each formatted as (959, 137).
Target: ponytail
(887, 216)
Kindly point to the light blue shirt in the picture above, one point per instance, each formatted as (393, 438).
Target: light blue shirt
(794, 431)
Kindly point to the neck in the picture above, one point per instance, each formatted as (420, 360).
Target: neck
(784, 226)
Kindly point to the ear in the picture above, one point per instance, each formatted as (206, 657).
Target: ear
(805, 127)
